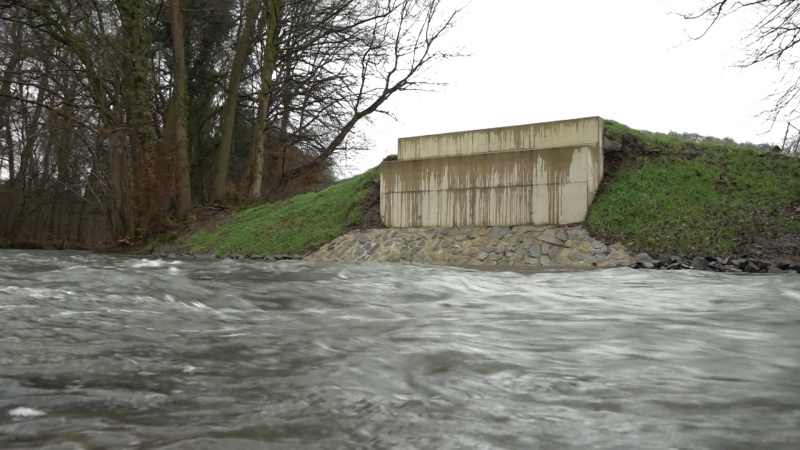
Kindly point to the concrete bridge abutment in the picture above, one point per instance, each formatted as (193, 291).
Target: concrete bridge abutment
(546, 173)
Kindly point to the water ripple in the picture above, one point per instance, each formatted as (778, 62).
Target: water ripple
(102, 351)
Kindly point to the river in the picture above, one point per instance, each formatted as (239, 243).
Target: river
(103, 351)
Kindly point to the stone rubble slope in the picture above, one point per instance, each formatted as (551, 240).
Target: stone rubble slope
(476, 246)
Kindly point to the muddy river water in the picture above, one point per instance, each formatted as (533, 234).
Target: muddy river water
(104, 351)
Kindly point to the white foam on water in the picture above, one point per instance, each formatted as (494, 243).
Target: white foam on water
(792, 294)
(24, 411)
(149, 263)
(196, 305)
(41, 293)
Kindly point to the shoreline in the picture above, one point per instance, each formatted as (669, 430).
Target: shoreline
(490, 247)
(684, 265)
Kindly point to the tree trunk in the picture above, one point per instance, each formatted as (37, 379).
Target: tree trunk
(8, 76)
(116, 188)
(181, 145)
(61, 192)
(229, 113)
(12, 175)
(14, 185)
(273, 11)
(31, 132)
(87, 220)
(257, 153)
(20, 186)
(130, 229)
(43, 228)
(5, 99)
(136, 64)
(8, 218)
(137, 86)
(166, 170)
(286, 104)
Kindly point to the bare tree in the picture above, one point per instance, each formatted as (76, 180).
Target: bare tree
(273, 10)
(179, 111)
(772, 39)
(229, 113)
(388, 51)
(111, 110)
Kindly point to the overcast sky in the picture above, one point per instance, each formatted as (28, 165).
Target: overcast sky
(627, 60)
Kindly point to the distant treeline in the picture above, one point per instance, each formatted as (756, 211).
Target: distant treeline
(118, 117)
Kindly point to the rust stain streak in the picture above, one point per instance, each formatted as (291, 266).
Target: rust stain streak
(540, 173)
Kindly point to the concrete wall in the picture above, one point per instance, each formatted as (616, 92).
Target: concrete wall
(562, 133)
(531, 174)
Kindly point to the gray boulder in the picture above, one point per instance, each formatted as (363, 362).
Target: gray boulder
(752, 268)
(763, 265)
(665, 259)
(551, 240)
(716, 266)
(699, 263)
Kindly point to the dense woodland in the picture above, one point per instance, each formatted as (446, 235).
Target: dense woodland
(119, 117)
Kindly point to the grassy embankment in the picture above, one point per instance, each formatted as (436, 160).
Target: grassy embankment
(661, 194)
(666, 194)
(297, 225)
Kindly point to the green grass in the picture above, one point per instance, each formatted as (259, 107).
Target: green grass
(694, 198)
(673, 195)
(297, 225)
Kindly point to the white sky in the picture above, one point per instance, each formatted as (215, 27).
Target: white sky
(627, 60)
